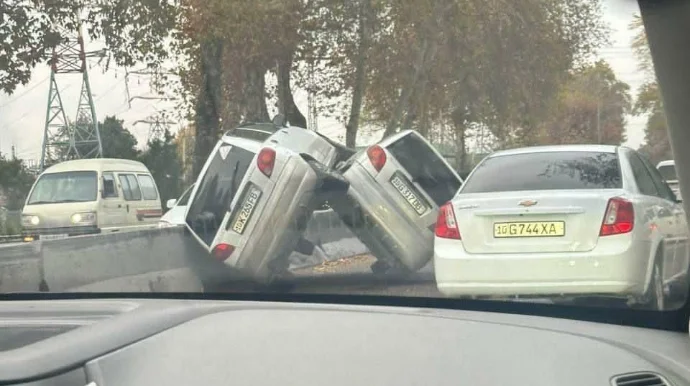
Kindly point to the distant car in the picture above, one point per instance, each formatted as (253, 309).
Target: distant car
(563, 220)
(668, 173)
(90, 196)
(252, 200)
(177, 208)
(396, 188)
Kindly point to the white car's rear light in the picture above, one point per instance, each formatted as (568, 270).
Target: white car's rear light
(446, 225)
(619, 217)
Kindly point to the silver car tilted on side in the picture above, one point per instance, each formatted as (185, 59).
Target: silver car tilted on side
(396, 188)
(253, 198)
(573, 220)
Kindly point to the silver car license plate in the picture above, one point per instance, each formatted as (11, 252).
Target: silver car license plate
(408, 194)
(246, 209)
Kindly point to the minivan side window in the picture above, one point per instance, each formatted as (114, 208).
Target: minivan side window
(148, 187)
(109, 189)
(130, 187)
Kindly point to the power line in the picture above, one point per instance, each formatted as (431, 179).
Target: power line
(25, 92)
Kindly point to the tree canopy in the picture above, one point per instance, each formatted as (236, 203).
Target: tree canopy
(389, 64)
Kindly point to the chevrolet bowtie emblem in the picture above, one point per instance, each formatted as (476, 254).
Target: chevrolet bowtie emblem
(527, 203)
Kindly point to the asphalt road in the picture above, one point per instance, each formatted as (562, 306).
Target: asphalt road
(353, 276)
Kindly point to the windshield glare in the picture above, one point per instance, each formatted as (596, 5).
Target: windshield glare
(546, 171)
(55, 188)
(458, 149)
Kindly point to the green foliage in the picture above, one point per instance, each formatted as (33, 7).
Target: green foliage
(590, 108)
(15, 183)
(656, 144)
(117, 141)
(411, 64)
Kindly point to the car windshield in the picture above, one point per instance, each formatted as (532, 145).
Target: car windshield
(668, 172)
(546, 171)
(471, 151)
(55, 188)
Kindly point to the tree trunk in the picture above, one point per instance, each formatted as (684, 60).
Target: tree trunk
(461, 148)
(208, 102)
(424, 121)
(404, 97)
(359, 87)
(413, 110)
(254, 106)
(286, 102)
(423, 63)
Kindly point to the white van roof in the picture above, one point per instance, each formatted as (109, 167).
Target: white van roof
(99, 165)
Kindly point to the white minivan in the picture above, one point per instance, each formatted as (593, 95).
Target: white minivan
(91, 196)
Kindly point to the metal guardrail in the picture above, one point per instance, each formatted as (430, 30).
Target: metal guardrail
(6, 239)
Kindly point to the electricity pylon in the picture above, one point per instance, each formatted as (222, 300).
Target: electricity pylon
(63, 140)
(158, 125)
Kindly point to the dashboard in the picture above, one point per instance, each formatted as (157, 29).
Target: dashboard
(191, 342)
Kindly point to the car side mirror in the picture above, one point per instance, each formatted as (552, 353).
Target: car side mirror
(170, 203)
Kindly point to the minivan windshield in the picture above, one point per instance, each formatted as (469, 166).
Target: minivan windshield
(668, 172)
(217, 189)
(545, 171)
(74, 186)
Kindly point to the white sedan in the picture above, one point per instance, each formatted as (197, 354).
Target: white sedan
(562, 220)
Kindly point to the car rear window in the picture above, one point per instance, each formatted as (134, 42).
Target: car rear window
(668, 172)
(426, 168)
(545, 171)
(216, 190)
(256, 135)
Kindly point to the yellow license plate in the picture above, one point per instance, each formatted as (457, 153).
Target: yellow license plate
(246, 210)
(529, 229)
(408, 194)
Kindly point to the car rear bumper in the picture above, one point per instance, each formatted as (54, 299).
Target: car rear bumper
(617, 269)
(374, 219)
(282, 222)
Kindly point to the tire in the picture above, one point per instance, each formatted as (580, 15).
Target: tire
(655, 298)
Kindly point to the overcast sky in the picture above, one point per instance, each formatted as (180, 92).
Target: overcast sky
(22, 115)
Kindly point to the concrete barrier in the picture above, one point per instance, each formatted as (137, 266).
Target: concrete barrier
(155, 260)
(20, 268)
(79, 261)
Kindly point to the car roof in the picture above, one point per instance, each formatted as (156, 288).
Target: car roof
(98, 164)
(668, 162)
(557, 148)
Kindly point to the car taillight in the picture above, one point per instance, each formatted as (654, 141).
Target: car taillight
(377, 156)
(446, 226)
(266, 160)
(223, 251)
(619, 217)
